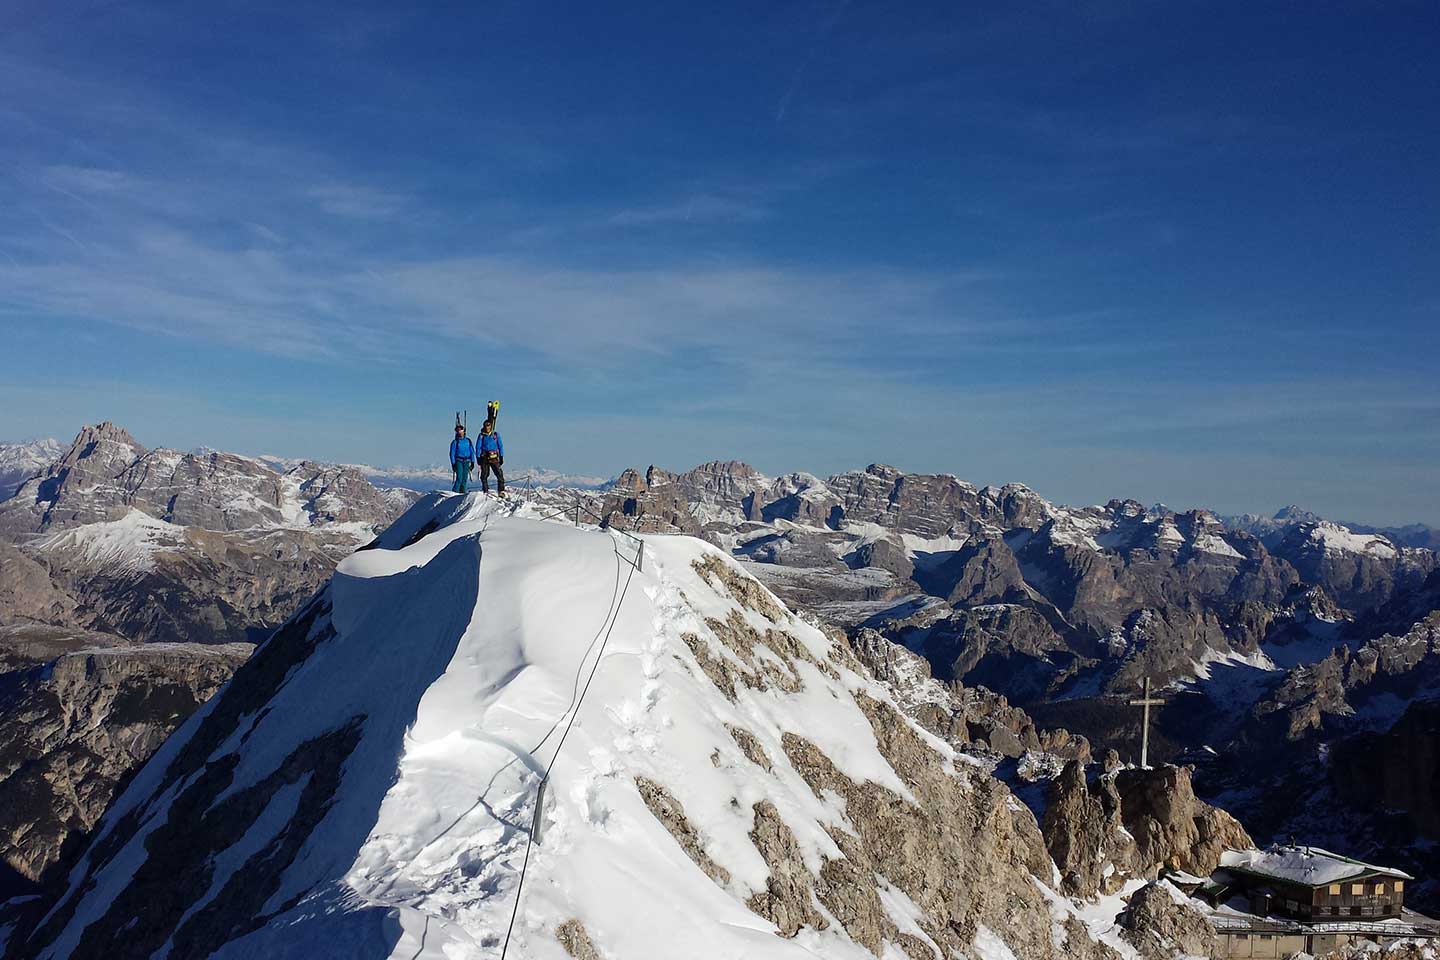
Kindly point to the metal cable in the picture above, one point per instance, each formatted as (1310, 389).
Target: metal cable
(530, 835)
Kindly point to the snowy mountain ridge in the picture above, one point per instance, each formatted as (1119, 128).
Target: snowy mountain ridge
(437, 476)
(735, 783)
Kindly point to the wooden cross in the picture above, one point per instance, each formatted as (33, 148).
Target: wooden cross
(1147, 702)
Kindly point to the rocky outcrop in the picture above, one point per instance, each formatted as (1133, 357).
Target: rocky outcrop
(1348, 692)
(886, 553)
(74, 728)
(21, 461)
(718, 494)
(1085, 833)
(984, 571)
(799, 498)
(920, 504)
(952, 850)
(27, 592)
(1103, 827)
(81, 487)
(964, 716)
(1160, 922)
(1171, 826)
(1362, 571)
(1002, 646)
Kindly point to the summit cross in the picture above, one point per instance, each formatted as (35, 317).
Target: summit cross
(1147, 702)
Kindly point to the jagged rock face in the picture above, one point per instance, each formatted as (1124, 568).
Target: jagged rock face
(719, 493)
(927, 506)
(1085, 834)
(727, 485)
(1019, 506)
(983, 571)
(27, 592)
(652, 504)
(1331, 697)
(887, 553)
(1001, 646)
(1171, 826)
(81, 487)
(1161, 924)
(1403, 610)
(918, 847)
(958, 714)
(798, 498)
(21, 461)
(1361, 571)
(216, 491)
(1132, 822)
(74, 728)
(1163, 644)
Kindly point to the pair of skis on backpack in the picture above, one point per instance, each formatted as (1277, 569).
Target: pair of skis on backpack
(492, 413)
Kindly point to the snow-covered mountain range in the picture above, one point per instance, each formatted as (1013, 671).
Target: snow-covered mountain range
(1065, 611)
(1293, 650)
(437, 476)
(721, 778)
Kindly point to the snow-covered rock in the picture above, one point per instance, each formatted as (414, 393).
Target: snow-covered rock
(724, 779)
(21, 461)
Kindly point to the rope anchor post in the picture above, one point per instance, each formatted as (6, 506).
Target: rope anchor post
(538, 821)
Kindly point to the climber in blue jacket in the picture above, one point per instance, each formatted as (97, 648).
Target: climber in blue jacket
(462, 459)
(492, 457)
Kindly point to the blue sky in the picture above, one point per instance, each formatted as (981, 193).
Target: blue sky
(1180, 252)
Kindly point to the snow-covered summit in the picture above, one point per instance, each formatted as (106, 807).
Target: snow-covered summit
(725, 780)
(1332, 537)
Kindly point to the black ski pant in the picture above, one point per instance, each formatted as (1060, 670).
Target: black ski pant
(486, 466)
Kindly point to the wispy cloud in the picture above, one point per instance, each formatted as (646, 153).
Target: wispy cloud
(699, 208)
(360, 202)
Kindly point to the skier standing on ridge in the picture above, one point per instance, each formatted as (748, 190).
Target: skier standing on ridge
(462, 459)
(492, 457)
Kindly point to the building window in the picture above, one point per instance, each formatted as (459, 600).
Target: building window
(1334, 889)
(1399, 886)
(1379, 889)
(1357, 889)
